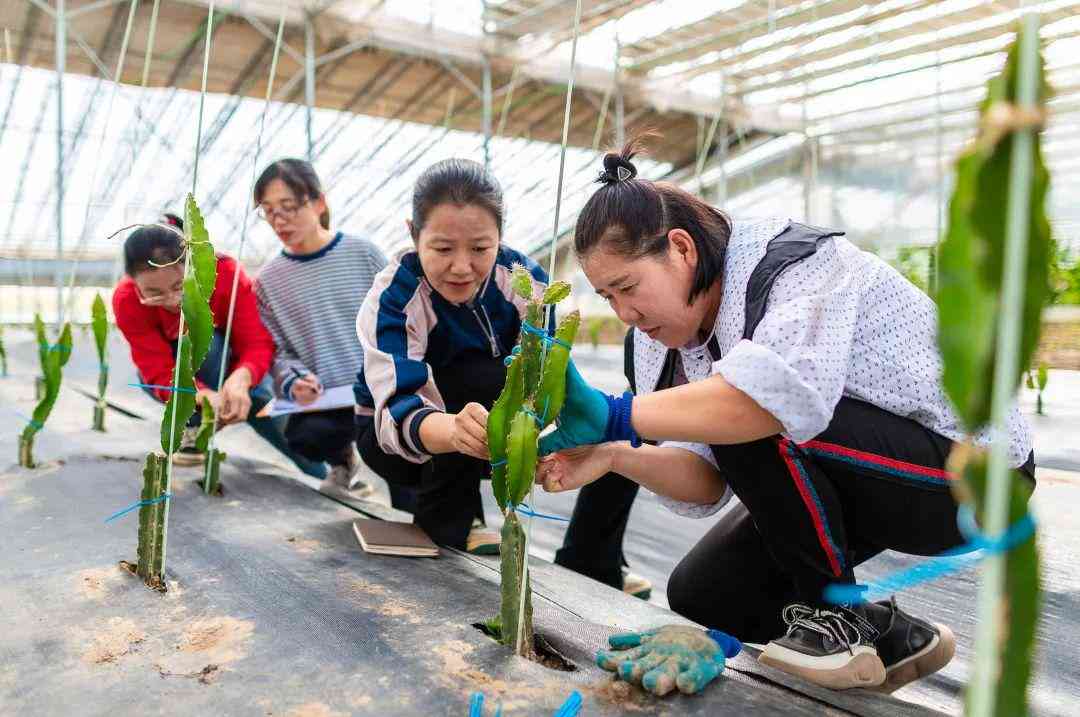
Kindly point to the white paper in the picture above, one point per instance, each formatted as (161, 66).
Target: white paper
(336, 397)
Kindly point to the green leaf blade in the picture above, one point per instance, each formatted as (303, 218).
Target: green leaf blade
(181, 403)
(100, 322)
(556, 292)
(199, 320)
(203, 259)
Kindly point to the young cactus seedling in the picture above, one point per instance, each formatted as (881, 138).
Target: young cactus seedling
(151, 551)
(52, 357)
(192, 346)
(974, 315)
(530, 400)
(3, 355)
(100, 323)
(211, 482)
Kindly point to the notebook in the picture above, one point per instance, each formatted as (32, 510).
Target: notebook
(386, 537)
(331, 398)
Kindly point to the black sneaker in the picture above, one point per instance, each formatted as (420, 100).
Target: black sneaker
(910, 648)
(829, 646)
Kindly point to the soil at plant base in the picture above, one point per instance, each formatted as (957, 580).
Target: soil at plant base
(542, 653)
(623, 695)
(220, 491)
(133, 569)
(120, 637)
(457, 672)
(95, 583)
(314, 709)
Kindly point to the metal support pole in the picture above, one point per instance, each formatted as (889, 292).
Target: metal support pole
(61, 57)
(486, 99)
(620, 108)
(989, 611)
(808, 189)
(309, 79)
(939, 171)
(721, 192)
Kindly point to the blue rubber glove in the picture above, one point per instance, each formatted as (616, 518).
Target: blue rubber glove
(589, 416)
(668, 657)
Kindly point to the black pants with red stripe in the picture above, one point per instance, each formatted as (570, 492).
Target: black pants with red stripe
(810, 513)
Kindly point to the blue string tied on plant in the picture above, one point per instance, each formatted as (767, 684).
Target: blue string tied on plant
(977, 547)
(524, 509)
(178, 389)
(37, 425)
(138, 504)
(543, 335)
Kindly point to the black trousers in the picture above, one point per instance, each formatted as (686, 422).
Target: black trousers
(443, 494)
(322, 435)
(810, 513)
(593, 544)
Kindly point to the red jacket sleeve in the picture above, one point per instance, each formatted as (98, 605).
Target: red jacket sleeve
(251, 344)
(150, 350)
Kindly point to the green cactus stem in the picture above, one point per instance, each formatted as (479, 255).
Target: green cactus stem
(211, 482)
(533, 374)
(511, 564)
(100, 323)
(52, 357)
(3, 355)
(151, 551)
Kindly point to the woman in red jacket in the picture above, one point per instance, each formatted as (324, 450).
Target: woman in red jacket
(146, 304)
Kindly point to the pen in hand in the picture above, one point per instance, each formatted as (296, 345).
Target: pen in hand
(301, 375)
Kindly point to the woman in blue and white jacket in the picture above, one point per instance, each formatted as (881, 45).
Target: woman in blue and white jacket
(435, 328)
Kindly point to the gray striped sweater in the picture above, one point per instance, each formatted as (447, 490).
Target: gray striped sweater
(309, 304)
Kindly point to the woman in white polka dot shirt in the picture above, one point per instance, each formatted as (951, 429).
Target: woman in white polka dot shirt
(779, 363)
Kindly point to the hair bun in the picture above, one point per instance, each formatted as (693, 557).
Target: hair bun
(617, 168)
(170, 219)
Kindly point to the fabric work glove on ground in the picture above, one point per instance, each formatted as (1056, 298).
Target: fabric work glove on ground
(668, 657)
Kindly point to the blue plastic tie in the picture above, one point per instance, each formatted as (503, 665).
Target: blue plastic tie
(539, 421)
(951, 561)
(179, 389)
(524, 509)
(544, 336)
(36, 424)
(55, 347)
(496, 464)
(571, 707)
(138, 504)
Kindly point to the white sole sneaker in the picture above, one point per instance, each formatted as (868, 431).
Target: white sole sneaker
(842, 671)
(187, 460)
(927, 661)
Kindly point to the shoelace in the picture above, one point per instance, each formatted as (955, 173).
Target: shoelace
(828, 623)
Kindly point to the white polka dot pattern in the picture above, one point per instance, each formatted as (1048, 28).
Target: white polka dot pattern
(839, 323)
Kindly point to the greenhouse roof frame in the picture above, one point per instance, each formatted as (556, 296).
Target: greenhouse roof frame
(847, 76)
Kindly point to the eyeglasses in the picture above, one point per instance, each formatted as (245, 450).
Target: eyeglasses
(286, 211)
